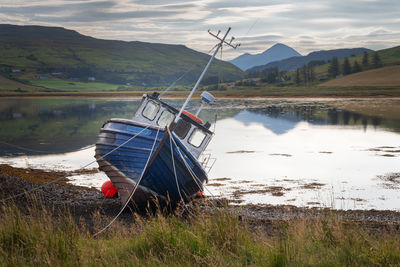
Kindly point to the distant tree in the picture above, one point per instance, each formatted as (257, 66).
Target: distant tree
(356, 67)
(32, 57)
(253, 74)
(310, 72)
(297, 79)
(365, 59)
(304, 73)
(346, 67)
(315, 63)
(212, 79)
(270, 75)
(282, 76)
(377, 60)
(333, 69)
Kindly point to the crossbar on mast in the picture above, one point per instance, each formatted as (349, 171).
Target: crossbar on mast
(220, 44)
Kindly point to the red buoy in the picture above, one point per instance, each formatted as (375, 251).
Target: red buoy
(108, 189)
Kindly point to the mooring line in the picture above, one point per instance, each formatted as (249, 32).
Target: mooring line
(133, 190)
(174, 82)
(173, 165)
(194, 176)
(63, 177)
(169, 87)
(39, 151)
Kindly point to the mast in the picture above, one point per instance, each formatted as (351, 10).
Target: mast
(220, 44)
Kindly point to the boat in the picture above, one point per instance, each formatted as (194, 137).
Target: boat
(155, 155)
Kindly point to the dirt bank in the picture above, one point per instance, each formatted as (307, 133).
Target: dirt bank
(83, 202)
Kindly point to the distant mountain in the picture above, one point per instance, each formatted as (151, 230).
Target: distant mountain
(28, 52)
(276, 52)
(293, 63)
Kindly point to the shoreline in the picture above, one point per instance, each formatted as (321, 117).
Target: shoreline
(222, 97)
(241, 93)
(84, 202)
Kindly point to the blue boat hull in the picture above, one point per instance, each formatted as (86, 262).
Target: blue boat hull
(125, 164)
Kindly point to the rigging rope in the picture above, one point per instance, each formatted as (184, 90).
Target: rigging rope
(133, 190)
(173, 165)
(195, 178)
(39, 151)
(63, 177)
(174, 82)
(169, 87)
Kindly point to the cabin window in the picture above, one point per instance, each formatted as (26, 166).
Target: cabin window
(166, 118)
(182, 128)
(197, 137)
(151, 110)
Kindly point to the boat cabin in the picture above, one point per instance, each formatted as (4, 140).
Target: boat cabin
(191, 131)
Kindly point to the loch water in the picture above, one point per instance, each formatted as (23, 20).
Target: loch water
(339, 153)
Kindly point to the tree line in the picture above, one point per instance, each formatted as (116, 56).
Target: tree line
(335, 70)
(306, 74)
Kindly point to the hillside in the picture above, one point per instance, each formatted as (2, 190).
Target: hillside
(11, 85)
(293, 63)
(369, 79)
(33, 53)
(388, 57)
(386, 76)
(274, 53)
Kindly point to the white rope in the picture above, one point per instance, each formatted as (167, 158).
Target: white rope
(39, 151)
(174, 82)
(195, 178)
(133, 190)
(63, 177)
(173, 164)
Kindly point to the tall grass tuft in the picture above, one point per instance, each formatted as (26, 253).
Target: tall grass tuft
(36, 236)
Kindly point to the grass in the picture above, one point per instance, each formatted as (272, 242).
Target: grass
(389, 57)
(7, 85)
(222, 239)
(45, 50)
(237, 92)
(385, 76)
(64, 85)
(312, 91)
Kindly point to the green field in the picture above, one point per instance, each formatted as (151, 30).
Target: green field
(27, 52)
(63, 85)
(68, 59)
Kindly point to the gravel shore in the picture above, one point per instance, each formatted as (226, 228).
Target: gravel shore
(83, 202)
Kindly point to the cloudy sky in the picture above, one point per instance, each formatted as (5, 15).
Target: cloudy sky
(306, 25)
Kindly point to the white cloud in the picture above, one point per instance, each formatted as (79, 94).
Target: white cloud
(258, 24)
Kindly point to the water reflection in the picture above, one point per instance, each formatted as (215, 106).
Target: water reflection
(281, 119)
(60, 125)
(55, 125)
(282, 151)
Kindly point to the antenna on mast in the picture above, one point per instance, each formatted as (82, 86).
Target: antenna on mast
(219, 45)
(234, 46)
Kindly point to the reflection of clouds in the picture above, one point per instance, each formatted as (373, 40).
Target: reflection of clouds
(347, 172)
(330, 24)
(276, 125)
